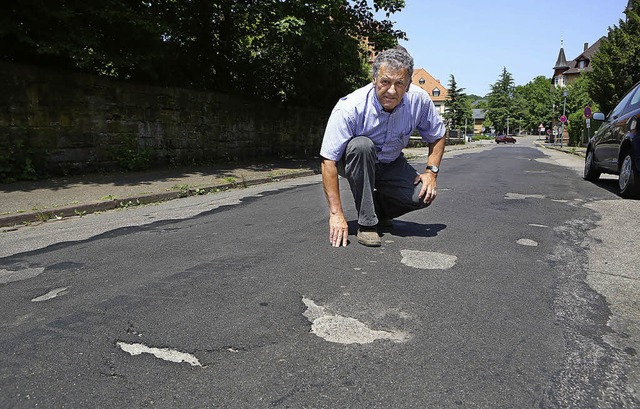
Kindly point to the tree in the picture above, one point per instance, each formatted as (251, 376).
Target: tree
(537, 100)
(501, 101)
(616, 64)
(577, 100)
(110, 37)
(307, 52)
(457, 107)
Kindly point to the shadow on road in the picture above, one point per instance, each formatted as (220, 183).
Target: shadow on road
(402, 228)
(610, 185)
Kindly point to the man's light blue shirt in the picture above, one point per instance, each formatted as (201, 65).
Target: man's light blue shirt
(360, 114)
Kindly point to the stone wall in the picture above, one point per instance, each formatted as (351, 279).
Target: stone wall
(65, 122)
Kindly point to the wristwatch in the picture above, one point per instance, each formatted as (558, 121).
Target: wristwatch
(433, 169)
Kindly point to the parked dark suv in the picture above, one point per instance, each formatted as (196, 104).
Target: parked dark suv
(615, 147)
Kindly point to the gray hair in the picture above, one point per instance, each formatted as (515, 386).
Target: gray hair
(396, 58)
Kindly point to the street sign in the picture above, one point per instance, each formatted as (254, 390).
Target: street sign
(587, 112)
(588, 122)
(563, 119)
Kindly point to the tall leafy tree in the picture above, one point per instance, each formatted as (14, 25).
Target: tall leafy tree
(300, 51)
(501, 102)
(110, 37)
(616, 64)
(537, 101)
(457, 106)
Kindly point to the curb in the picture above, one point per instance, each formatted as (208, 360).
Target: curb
(570, 151)
(12, 220)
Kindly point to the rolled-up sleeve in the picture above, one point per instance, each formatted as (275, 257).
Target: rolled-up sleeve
(339, 131)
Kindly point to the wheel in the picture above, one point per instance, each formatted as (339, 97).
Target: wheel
(590, 172)
(629, 179)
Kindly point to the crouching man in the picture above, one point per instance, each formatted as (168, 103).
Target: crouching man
(363, 142)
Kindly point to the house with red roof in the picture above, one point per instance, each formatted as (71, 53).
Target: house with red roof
(438, 93)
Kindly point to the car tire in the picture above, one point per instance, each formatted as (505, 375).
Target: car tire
(629, 179)
(591, 173)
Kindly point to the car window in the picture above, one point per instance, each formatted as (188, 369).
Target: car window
(634, 103)
(620, 108)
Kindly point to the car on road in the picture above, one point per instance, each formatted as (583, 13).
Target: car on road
(615, 146)
(505, 139)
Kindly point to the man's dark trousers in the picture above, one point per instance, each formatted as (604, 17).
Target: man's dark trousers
(380, 190)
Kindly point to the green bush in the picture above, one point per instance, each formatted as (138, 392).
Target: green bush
(131, 156)
(17, 163)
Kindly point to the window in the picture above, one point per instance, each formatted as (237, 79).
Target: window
(436, 92)
(582, 64)
(620, 108)
(635, 100)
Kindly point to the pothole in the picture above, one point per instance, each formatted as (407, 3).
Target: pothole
(527, 242)
(8, 276)
(344, 330)
(51, 294)
(165, 354)
(520, 196)
(427, 260)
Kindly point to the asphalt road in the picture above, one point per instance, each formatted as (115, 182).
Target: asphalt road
(502, 294)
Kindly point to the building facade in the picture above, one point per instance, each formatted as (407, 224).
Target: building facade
(438, 93)
(564, 72)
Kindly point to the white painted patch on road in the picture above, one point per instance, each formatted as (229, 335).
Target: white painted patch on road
(344, 330)
(51, 294)
(427, 260)
(520, 196)
(165, 354)
(527, 242)
(537, 171)
(538, 225)
(8, 276)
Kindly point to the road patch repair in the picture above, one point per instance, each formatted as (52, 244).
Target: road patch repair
(165, 354)
(427, 260)
(344, 330)
(9, 276)
(56, 292)
(520, 196)
(527, 242)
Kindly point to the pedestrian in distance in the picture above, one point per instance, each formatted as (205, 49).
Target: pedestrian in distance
(363, 143)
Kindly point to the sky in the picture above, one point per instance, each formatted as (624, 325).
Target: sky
(475, 39)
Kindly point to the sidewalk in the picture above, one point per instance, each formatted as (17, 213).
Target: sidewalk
(573, 150)
(32, 202)
(29, 202)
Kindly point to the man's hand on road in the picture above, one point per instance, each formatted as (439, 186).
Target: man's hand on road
(338, 230)
(428, 191)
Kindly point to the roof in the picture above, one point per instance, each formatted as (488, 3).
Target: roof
(421, 78)
(561, 62)
(574, 67)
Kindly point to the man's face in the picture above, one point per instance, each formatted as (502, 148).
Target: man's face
(391, 84)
